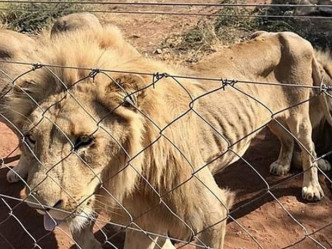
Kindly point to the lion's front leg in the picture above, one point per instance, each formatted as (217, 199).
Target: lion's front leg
(140, 240)
(216, 203)
(213, 237)
(84, 237)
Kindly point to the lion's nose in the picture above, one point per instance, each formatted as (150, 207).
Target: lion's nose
(37, 200)
(57, 205)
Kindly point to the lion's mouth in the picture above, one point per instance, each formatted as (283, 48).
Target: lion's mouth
(55, 216)
(51, 218)
(74, 221)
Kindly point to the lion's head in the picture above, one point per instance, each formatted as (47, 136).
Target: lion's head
(80, 140)
(79, 126)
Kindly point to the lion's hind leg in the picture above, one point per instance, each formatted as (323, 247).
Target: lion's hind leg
(287, 155)
(282, 165)
(301, 128)
(323, 164)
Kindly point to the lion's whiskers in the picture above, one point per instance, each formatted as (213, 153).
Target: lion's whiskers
(97, 210)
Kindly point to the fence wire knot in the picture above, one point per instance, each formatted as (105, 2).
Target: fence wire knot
(324, 88)
(158, 76)
(36, 66)
(94, 73)
(226, 82)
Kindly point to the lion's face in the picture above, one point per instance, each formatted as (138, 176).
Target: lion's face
(78, 142)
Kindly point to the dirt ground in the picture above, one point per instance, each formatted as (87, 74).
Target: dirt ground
(276, 218)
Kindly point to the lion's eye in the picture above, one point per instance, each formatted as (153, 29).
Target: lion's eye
(118, 83)
(129, 101)
(30, 141)
(83, 141)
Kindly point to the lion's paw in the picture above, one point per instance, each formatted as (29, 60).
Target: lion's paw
(13, 176)
(312, 193)
(278, 169)
(324, 165)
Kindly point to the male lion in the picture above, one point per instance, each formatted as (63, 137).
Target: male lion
(148, 146)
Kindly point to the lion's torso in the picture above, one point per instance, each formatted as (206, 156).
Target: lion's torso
(227, 119)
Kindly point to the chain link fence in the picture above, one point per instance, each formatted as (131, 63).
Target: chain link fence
(110, 211)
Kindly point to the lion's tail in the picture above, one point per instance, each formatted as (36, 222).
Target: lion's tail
(319, 81)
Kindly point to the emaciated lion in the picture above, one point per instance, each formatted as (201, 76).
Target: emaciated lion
(148, 144)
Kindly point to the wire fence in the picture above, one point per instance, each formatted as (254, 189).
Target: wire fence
(156, 8)
(143, 218)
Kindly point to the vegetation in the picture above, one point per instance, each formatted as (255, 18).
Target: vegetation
(236, 23)
(274, 19)
(33, 17)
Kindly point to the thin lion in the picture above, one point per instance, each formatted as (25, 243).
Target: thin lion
(147, 147)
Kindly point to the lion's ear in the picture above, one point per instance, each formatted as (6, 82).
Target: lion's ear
(130, 87)
(124, 89)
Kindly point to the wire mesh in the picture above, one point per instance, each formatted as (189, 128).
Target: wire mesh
(267, 190)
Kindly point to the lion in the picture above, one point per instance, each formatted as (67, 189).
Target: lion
(282, 124)
(52, 85)
(147, 144)
(75, 21)
(319, 117)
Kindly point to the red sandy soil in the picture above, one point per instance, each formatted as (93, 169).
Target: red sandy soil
(276, 220)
